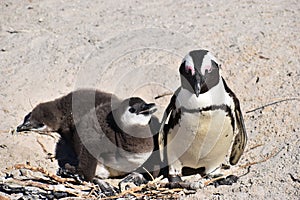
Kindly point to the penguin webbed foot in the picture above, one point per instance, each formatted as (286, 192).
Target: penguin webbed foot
(106, 189)
(174, 179)
(70, 173)
(184, 185)
(228, 180)
(132, 180)
(176, 182)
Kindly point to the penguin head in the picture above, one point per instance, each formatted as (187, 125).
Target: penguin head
(135, 112)
(199, 72)
(41, 118)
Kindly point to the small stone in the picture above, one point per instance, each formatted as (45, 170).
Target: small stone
(24, 172)
(15, 173)
(187, 192)
(165, 180)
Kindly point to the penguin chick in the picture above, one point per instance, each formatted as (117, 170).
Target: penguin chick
(113, 142)
(60, 115)
(118, 140)
(205, 120)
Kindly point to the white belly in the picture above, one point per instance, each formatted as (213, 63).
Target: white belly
(201, 140)
(118, 164)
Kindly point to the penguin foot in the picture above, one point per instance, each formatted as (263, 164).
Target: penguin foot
(176, 182)
(185, 185)
(229, 180)
(132, 180)
(107, 189)
(67, 173)
(175, 178)
(225, 167)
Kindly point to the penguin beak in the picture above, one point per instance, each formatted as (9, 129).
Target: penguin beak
(24, 127)
(147, 109)
(197, 89)
(28, 125)
(197, 85)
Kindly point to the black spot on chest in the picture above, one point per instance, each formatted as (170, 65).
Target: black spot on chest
(222, 107)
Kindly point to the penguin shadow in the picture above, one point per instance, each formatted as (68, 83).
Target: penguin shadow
(65, 156)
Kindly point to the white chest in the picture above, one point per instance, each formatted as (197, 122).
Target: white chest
(201, 138)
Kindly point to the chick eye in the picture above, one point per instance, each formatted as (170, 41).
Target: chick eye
(132, 110)
(41, 125)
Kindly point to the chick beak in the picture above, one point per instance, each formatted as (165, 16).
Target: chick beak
(26, 126)
(148, 109)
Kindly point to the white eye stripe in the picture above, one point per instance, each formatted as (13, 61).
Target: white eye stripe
(206, 64)
(188, 61)
(189, 64)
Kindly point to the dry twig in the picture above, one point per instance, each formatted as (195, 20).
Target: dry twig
(273, 103)
(69, 187)
(163, 95)
(48, 133)
(45, 172)
(50, 155)
(152, 178)
(153, 189)
(4, 131)
(47, 187)
(133, 190)
(254, 147)
(274, 152)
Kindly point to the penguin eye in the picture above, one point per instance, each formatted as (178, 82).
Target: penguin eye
(189, 70)
(206, 72)
(209, 68)
(132, 110)
(206, 69)
(40, 125)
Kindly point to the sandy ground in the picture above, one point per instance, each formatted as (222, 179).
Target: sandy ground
(49, 48)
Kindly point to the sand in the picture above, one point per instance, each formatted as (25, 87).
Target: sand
(49, 48)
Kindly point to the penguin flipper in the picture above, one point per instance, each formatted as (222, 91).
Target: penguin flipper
(164, 128)
(240, 139)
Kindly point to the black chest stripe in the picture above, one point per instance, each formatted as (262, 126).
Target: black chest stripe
(223, 107)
